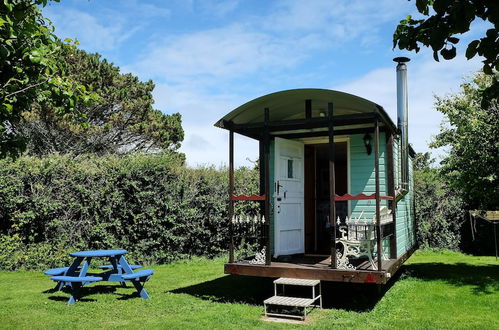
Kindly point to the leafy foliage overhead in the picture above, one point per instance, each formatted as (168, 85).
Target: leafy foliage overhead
(471, 133)
(446, 19)
(30, 70)
(121, 120)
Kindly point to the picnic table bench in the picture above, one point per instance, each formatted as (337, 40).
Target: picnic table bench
(119, 270)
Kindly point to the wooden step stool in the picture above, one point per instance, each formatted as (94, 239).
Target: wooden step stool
(277, 300)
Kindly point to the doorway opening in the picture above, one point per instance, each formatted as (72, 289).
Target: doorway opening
(317, 224)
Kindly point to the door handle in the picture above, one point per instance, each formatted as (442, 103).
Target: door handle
(278, 186)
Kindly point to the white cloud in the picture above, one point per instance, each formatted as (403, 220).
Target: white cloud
(193, 102)
(144, 10)
(218, 8)
(203, 143)
(339, 19)
(290, 34)
(208, 145)
(91, 32)
(221, 53)
(104, 28)
(426, 78)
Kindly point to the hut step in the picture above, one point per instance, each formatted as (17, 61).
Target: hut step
(297, 302)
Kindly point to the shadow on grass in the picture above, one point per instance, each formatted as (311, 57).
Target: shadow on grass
(64, 299)
(97, 289)
(347, 296)
(254, 290)
(356, 297)
(231, 289)
(483, 278)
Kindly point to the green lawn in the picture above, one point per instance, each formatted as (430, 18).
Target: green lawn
(434, 291)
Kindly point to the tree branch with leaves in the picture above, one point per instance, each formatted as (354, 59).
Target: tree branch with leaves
(445, 20)
(471, 135)
(122, 120)
(31, 70)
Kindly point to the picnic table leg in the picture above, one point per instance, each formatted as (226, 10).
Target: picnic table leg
(84, 268)
(59, 286)
(86, 265)
(140, 289)
(75, 293)
(125, 266)
(74, 266)
(70, 272)
(118, 270)
(136, 283)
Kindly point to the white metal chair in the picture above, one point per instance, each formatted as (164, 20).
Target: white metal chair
(358, 238)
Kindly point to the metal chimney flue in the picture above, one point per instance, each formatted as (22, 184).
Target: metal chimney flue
(402, 119)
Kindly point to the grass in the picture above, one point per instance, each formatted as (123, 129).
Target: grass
(434, 290)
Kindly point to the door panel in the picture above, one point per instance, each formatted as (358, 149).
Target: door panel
(289, 231)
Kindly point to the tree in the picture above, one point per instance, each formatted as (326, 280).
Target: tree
(471, 133)
(121, 120)
(439, 209)
(30, 69)
(446, 19)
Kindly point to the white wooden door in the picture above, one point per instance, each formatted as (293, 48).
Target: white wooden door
(289, 233)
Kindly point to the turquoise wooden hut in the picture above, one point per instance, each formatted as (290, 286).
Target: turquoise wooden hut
(336, 185)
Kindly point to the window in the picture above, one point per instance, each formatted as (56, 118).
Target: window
(290, 168)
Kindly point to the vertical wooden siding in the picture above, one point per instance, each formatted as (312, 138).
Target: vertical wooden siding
(363, 179)
(362, 175)
(405, 217)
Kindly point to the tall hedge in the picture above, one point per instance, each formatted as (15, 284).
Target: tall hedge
(148, 204)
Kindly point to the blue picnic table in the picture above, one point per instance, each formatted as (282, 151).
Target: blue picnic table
(118, 270)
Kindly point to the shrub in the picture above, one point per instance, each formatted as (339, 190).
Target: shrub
(148, 204)
(439, 210)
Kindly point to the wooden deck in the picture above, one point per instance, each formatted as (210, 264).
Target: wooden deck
(318, 268)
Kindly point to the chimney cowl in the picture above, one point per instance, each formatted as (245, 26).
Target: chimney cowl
(401, 59)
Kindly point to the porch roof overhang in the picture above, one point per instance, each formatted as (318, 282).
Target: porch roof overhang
(303, 112)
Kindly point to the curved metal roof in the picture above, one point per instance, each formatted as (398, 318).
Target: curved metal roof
(290, 104)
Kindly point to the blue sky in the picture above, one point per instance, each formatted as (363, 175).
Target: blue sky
(207, 57)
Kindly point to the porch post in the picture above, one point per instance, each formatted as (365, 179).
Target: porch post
(266, 143)
(376, 171)
(231, 193)
(261, 157)
(332, 192)
(391, 192)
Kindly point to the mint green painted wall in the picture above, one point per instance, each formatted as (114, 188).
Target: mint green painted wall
(406, 235)
(405, 218)
(362, 180)
(362, 175)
